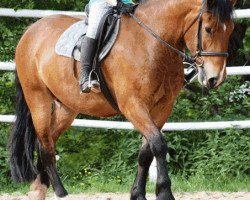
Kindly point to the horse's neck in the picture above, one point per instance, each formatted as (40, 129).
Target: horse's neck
(168, 18)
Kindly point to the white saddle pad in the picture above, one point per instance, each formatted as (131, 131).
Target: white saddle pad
(68, 40)
(72, 37)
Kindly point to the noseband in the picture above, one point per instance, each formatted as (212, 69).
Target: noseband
(193, 59)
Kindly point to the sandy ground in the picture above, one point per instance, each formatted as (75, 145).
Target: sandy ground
(113, 196)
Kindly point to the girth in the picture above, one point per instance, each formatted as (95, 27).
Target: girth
(110, 19)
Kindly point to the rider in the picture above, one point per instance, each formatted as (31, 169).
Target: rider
(97, 9)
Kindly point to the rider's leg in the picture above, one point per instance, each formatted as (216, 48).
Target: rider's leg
(97, 10)
(87, 55)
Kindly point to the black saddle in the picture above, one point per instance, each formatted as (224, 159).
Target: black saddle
(107, 33)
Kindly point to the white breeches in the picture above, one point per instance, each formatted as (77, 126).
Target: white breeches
(97, 10)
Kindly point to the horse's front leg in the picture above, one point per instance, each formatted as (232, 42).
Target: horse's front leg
(159, 149)
(138, 114)
(144, 160)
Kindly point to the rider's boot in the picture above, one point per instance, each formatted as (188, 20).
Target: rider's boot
(88, 51)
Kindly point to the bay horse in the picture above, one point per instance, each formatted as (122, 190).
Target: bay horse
(143, 76)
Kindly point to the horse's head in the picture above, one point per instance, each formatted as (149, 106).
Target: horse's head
(207, 37)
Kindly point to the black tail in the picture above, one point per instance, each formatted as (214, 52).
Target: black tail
(22, 141)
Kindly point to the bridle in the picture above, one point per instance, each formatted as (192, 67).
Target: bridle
(199, 49)
(193, 59)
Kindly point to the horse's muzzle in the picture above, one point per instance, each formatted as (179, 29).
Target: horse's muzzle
(212, 82)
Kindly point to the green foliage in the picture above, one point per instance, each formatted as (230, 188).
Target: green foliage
(7, 93)
(223, 153)
(11, 28)
(4, 164)
(95, 156)
(225, 103)
(246, 42)
(92, 156)
(211, 153)
(10, 32)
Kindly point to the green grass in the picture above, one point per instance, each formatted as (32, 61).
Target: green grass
(179, 184)
(12, 188)
(200, 183)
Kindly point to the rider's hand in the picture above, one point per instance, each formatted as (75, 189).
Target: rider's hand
(124, 8)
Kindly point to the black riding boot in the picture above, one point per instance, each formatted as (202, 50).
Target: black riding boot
(88, 51)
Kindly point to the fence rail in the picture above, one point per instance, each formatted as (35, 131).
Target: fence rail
(171, 126)
(232, 70)
(8, 12)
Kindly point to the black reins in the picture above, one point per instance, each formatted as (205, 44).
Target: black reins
(193, 59)
(185, 57)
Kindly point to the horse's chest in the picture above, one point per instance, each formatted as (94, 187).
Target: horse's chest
(167, 89)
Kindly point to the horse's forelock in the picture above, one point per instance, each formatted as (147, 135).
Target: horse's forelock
(222, 9)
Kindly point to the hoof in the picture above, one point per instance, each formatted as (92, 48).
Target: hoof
(61, 192)
(38, 190)
(141, 198)
(164, 196)
(137, 193)
(57, 198)
(37, 195)
(138, 198)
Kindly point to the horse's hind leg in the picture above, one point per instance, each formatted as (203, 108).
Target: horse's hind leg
(145, 158)
(39, 187)
(62, 117)
(40, 107)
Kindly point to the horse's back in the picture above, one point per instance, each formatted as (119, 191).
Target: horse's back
(39, 41)
(36, 49)
(52, 26)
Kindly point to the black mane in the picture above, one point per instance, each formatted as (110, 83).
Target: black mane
(222, 9)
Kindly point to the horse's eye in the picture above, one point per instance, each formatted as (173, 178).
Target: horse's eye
(208, 30)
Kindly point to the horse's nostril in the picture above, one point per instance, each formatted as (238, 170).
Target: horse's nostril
(212, 82)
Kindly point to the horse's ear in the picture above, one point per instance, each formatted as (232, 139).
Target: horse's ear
(233, 2)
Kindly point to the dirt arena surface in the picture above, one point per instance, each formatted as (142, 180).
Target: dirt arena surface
(114, 196)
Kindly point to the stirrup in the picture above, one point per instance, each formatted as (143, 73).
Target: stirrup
(93, 84)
